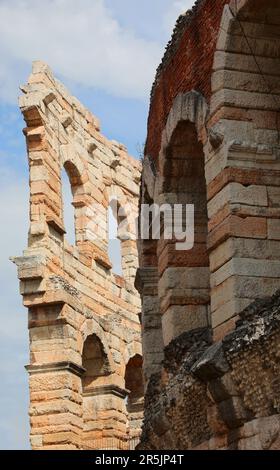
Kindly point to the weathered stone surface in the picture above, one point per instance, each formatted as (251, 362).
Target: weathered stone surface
(218, 150)
(212, 364)
(211, 356)
(85, 348)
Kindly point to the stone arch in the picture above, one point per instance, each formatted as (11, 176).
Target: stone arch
(73, 164)
(243, 160)
(77, 175)
(92, 327)
(246, 73)
(94, 361)
(191, 107)
(133, 349)
(97, 387)
(184, 278)
(126, 232)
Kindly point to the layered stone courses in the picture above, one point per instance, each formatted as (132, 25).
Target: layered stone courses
(213, 141)
(221, 396)
(209, 320)
(83, 319)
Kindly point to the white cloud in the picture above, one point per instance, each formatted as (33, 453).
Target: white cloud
(81, 41)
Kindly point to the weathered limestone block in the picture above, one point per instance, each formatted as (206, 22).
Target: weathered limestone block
(234, 193)
(178, 319)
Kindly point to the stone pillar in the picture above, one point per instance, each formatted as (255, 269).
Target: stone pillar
(105, 418)
(55, 410)
(152, 342)
(242, 172)
(135, 409)
(184, 275)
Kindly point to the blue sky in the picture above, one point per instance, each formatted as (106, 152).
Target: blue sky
(106, 53)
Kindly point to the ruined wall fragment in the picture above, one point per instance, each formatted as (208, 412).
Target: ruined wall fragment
(83, 319)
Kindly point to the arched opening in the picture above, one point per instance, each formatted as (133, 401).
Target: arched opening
(114, 243)
(94, 361)
(122, 246)
(68, 209)
(97, 401)
(135, 402)
(184, 272)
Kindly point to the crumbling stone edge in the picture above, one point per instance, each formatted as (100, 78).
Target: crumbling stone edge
(204, 396)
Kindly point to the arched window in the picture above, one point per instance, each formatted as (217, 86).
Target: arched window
(97, 408)
(95, 361)
(68, 209)
(114, 244)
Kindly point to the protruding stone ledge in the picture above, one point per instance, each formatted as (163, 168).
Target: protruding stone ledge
(29, 267)
(146, 280)
(56, 225)
(106, 390)
(56, 367)
(55, 297)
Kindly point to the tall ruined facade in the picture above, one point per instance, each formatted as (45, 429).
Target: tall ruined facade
(86, 389)
(211, 314)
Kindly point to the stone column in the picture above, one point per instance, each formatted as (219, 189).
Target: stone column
(105, 418)
(55, 406)
(152, 342)
(135, 409)
(242, 172)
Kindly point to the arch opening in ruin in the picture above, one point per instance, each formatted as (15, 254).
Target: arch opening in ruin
(184, 285)
(68, 212)
(103, 403)
(94, 361)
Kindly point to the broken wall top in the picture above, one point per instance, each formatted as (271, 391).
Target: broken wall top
(62, 133)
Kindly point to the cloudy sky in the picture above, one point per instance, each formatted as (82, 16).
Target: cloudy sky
(106, 52)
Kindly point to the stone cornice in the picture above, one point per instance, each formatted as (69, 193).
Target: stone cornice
(146, 278)
(56, 367)
(106, 390)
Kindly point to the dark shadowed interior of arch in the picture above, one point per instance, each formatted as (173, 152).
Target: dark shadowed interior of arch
(183, 184)
(94, 361)
(134, 378)
(184, 176)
